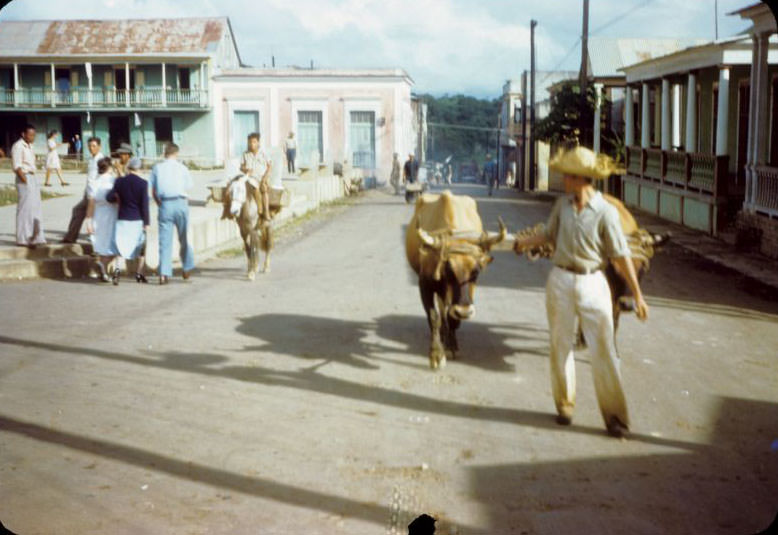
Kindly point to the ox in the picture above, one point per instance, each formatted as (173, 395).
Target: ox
(642, 245)
(447, 248)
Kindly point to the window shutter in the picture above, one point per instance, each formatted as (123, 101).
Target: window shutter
(140, 78)
(108, 79)
(74, 78)
(47, 79)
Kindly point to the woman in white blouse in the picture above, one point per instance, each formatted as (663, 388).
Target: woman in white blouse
(101, 216)
(52, 159)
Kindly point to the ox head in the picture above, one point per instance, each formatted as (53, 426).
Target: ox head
(461, 258)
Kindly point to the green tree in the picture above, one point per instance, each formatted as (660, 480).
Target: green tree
(571, 120)
(460, 110)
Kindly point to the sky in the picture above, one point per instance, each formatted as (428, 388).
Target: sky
(446, 46)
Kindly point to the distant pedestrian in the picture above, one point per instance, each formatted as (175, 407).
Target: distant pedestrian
(411, 170)
(29, 212)
(290, 147)
(394, 177)
(101, 216)
(449, 174)
(170, 182)
(77, 146)
(52, 159)
(491, 177)
(131, 192)
(79, 210)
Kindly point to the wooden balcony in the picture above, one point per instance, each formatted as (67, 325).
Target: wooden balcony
(84, 98)
(684, 187)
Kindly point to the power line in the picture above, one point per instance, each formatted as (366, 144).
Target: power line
(555, 67)
(463, 127)
(619, 17)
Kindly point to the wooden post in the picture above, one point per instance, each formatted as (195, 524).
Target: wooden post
(17, 89)
(164, 87)
(53, 88)
(127, 83)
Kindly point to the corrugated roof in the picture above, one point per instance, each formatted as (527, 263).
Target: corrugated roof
(608, 55)
(111, 37)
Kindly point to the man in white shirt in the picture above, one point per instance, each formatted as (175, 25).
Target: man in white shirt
(170, 181)
(29, 212)
(79, 210)
(256, 165)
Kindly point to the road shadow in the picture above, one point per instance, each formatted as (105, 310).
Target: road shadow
(312, 379)
(362, 344)
(727, 486)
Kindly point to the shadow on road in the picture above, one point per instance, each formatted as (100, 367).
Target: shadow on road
(354, 343)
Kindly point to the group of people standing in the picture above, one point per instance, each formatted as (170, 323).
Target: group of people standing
(115, 207)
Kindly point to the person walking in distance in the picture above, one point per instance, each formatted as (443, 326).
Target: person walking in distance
(79, 210)
(586, 234)
(52, 159)
(77, 147)
(101, 216)
(257, 166)
(29, 211)
(491, 176)
(132, 195)
(170, 182)
(410, 170)
(394, 177)
(290, 149)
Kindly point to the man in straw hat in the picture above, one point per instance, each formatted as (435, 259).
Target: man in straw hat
(585, 231)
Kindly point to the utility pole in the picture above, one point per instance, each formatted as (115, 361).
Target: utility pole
(531, 181)
(716, 18)
(521, 180)
(584, 73)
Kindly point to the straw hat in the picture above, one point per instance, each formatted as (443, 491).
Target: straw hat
(124, 148)
(584, 162)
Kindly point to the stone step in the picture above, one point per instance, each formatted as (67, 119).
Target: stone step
(50, 250)
(64, 267)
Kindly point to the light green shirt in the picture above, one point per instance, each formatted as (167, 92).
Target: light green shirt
(585, 240)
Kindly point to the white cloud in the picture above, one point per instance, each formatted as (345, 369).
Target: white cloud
(445, 45)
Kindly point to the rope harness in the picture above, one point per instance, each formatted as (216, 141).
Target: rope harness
(447, 244)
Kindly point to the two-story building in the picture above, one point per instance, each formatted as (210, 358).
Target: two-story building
(152, 81)
(145, 82)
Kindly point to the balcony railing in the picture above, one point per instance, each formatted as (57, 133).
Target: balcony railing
(698, 172)
(765, 189)
(104, 98)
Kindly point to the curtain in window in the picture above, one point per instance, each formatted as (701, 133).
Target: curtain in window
(362, 139)
(309, 137)
(243, 124)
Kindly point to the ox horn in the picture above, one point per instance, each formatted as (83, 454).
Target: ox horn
(426, 238)
(493, 239)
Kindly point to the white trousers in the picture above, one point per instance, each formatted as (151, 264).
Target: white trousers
(587, 299)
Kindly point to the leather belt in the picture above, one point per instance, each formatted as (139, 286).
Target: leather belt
(579, 271)
(172, 198)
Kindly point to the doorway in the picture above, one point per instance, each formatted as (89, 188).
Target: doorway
(120, 79)
(10, 131)
(163, 133)
(118, 131)
(71, 125)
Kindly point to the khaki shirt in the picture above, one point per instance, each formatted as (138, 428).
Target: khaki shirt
(22, 157)
(585, 240)
(256, 163)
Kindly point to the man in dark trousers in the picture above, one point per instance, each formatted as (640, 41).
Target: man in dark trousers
(79, 210)
(490, 174)
(411, 170)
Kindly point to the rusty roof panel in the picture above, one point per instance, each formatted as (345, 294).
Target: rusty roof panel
(119, 37)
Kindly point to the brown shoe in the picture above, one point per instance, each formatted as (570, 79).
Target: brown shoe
(186, 275)
(616, 428)
(565, 416)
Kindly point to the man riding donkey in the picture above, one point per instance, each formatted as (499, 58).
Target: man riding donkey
(253, 218)
(586, 235)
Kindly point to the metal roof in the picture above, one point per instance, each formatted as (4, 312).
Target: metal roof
(198, 36)
(293, 72)
(608, 55)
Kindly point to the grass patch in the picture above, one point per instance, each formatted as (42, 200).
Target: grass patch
(8, 195)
